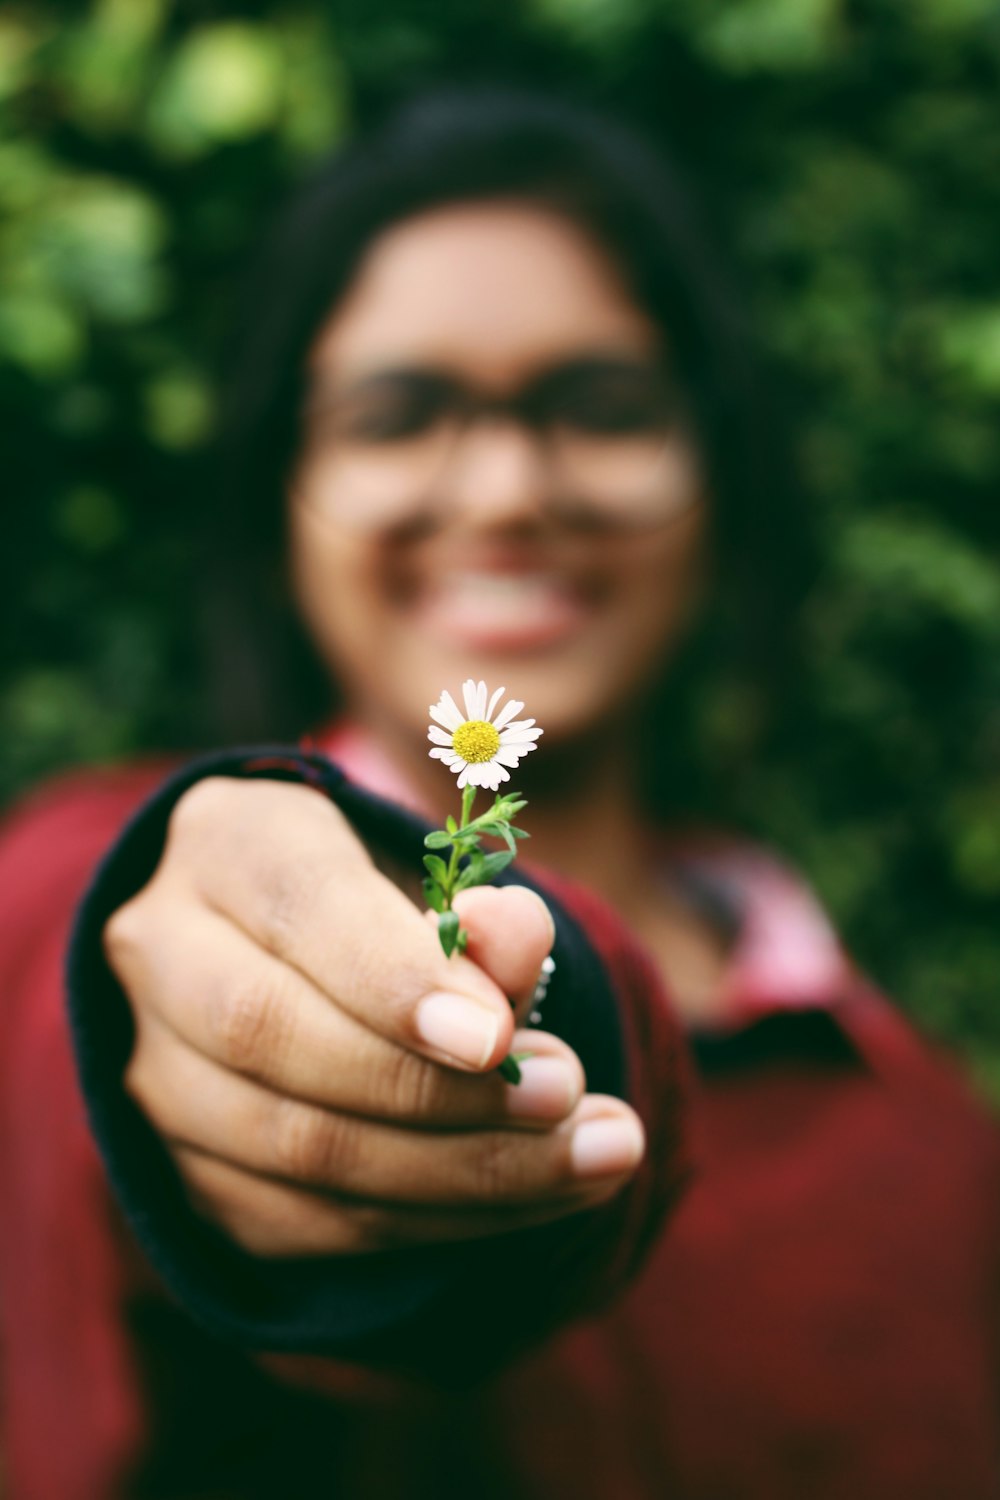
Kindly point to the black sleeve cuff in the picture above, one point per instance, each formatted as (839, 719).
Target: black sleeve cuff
(432, 1310)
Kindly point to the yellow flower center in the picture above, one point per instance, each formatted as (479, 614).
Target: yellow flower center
(475, 741)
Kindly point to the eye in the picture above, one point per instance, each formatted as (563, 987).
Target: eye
(391, 410)
(611, 401)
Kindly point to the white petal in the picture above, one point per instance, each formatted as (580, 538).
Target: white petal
(474, 694)
(438, 736)
(493, 703)
(507, 713)
(510, 755)
(445, 711)
(464, 777)
(448, 756)
(513, 735)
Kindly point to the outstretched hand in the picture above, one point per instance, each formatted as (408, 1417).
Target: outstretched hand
(323, 1076)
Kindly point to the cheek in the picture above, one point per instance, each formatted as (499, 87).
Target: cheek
(654, 592)
(659, 590)
(349, 595)
(335, 586)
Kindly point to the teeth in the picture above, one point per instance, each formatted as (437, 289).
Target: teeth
(501, 588)
(484, 606)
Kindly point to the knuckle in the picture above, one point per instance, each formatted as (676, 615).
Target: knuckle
(201, 806)
(241, 1023)
(369, 1228)
(221, 1206)
(495, 1173)
(259, 1233)
(303, 1228)
(124, 933)
(135, 1081)
(308, 1142)
(288, 891)
(412, 1087)
(271, 1222)
(144, 1084)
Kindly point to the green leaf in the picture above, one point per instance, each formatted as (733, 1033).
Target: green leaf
(497, 829)
(508, 1068)
(433, 895)
(450, 824)
(520, 833)
(494, 863)
(437, 840)
(463, 940)
(437, 868)
(472, 874)
(448, 931)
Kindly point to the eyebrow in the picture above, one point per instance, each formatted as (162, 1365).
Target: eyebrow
(596, 361)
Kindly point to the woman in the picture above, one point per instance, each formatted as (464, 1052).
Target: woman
(505, 407)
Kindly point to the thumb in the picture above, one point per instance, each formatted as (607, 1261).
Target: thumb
(510, 933)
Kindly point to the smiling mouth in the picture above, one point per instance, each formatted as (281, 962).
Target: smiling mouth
(502, 610)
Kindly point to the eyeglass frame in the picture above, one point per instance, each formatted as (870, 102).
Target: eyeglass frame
(472, 407)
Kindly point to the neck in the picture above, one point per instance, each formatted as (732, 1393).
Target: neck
(590, 827)
(584, 815)
(587, 821)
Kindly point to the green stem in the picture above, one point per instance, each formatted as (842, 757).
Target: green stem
(468, 798)
(508, 1069)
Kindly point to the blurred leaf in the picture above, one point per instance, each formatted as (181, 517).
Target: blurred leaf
(769, 35)
(914, 563)
(43, 335)
(222, 84)
(50, 717)
(20, 35)
(105, 64)
(178, 409)
(90, 519)
(970, 345)
(598, 22)
(85, 243)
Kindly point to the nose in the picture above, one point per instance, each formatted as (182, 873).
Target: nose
(498, 472)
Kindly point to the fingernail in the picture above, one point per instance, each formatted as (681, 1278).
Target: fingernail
(600, 1147)
(458, 1026)
(548, 1089)
(549, 921)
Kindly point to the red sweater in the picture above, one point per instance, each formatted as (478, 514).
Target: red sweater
(818, 1317)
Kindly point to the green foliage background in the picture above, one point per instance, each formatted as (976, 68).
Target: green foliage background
(848, 152)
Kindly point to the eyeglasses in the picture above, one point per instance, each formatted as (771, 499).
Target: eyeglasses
(611, 432)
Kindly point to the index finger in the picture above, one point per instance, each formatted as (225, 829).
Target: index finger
(296, 879)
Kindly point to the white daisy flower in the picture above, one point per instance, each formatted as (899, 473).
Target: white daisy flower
(480, 743)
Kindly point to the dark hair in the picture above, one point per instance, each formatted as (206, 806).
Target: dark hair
(462, 145)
